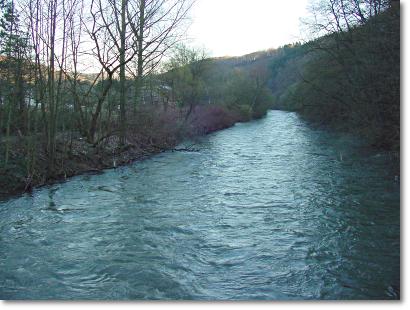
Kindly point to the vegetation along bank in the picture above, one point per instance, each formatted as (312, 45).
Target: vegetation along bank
(58, 120)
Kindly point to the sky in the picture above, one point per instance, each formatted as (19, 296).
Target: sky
(238, 27)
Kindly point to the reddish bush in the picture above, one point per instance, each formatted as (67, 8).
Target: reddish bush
(208, 118)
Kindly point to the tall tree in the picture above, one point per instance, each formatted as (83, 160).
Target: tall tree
(157, 29)
(110, 22)
(14, 47)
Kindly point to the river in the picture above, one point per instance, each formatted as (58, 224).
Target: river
(270, 209)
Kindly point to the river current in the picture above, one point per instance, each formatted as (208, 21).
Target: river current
(270, 209)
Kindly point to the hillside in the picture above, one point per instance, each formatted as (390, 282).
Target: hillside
(348, 81)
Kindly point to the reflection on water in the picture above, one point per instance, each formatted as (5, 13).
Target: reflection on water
(270, 209)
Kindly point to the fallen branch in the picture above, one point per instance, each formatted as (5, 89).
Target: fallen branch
(185, 150)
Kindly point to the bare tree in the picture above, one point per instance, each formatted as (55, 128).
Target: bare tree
(109, 22)
(157, 29)
(49, 23)
(330, 16)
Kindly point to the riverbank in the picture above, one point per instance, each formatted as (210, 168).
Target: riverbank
(264, 211)
(150, 131)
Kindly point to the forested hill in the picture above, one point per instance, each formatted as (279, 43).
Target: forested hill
(348, 80)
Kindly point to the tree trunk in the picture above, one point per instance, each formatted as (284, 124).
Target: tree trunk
(140, 60)
(96, 114)
(123, 98)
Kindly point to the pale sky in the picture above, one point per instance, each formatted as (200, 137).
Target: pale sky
(238, 27)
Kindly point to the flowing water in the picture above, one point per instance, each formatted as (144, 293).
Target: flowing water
(271, 209)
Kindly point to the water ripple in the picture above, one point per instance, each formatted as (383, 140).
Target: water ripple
(264, 210)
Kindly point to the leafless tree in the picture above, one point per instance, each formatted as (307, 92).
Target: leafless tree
(109, 21)
(156, 29)
(48, 22)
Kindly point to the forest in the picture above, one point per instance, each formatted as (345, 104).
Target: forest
(93, 84)
(348, 79)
